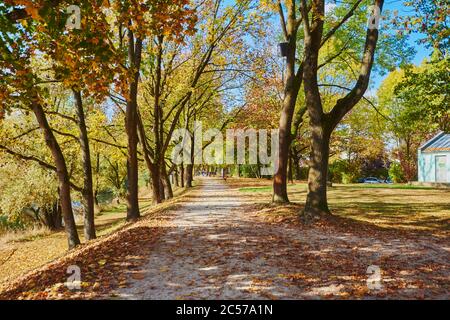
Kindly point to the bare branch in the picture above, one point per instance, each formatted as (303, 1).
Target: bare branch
(349, 14)
(283, 20)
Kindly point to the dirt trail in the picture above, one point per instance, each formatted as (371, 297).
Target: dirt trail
(216, 250)
(208, 255)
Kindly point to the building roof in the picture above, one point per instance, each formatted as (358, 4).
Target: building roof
(440, 142)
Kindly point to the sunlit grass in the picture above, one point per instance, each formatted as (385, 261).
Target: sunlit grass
(395, 206)
(293, 187)
(386, 186)
(353, 186)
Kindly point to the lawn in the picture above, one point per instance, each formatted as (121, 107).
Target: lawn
(389, 206)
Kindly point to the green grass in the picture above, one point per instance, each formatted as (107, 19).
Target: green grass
(293, 187)
(256, 189)
(386, 186)
(351, 186)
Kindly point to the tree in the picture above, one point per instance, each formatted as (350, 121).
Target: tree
(18, 77)
(40, 28)
(72, 65)
(88, 186)
(184, 73)
(290, 23)
(416, 101)
(340, 30)
(322, 123)
(19, 199)
(431, 18)
(144, 20)
(425, 91)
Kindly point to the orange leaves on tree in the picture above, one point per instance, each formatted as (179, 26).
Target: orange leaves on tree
(31, 8)
(171, 18)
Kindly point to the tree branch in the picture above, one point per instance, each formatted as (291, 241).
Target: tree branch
(344, 105)
(344, 20)
(283, 21)
(363, 97)
(42, 163)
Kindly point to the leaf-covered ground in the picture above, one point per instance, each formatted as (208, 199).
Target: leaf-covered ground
(104, 263)
(30, 250)
(224, 246)
(221, 242)
(23, 252)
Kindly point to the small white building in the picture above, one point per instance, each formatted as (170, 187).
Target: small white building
(434, 160)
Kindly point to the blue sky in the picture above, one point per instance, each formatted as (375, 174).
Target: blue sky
(422, 51)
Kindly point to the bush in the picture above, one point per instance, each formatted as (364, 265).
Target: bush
(348, 178)
(341, 171)
(396, 173)
(11, 224)
(249, 171)
(3, 223)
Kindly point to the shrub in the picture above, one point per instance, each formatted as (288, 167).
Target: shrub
(341, 171)
(249, 171)
(13, 223)
(348, 178)
(396, 173)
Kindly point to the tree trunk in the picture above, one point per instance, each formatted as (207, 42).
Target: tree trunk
(190, 167)
(57, 216)
(88, 188)
(156, 186)
(316, 201)
(133, 176)
(290, 170)
(155, 174)
(296, 164)
(162, 191)
(323, 124)
(133, 173)
(177, 178)
(189, 175)
(62, 174)
(96, 203)
(52, 217)
(131, 125)
(96, 188)
(166, 182)
(280, 178)
(292, 87)
(182, 175)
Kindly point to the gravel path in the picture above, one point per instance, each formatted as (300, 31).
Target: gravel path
(209, 253)
(217, 248)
